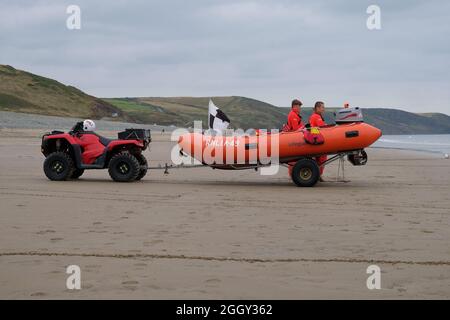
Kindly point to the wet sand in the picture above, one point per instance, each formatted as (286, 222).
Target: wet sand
(202, 233)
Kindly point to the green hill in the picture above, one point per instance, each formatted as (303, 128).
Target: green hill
(182, 111)
(249, 113)
(394, 121)
(22, 91)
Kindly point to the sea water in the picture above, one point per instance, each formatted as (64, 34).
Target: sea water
(436, 143)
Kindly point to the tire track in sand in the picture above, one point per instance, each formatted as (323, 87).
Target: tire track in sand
(225, 259)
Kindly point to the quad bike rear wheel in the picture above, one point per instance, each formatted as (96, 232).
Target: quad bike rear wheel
(124, 167)
(144, 164)
(305, 173)
(58, 166)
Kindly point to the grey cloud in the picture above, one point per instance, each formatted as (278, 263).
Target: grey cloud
(270, 50)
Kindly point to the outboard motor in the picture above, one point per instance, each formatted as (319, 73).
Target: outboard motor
(348, 115)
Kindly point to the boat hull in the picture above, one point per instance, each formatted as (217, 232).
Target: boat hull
(232, 152)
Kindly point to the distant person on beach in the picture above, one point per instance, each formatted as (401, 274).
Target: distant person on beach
(316, 120)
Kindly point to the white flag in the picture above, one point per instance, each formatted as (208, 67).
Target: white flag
(217, 119)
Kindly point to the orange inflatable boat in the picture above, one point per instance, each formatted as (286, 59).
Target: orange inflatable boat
(299, 147)
(227, 152)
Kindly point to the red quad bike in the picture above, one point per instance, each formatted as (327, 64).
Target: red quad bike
(67, 155)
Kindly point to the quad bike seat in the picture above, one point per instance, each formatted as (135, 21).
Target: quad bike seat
(104, 141)
(78, 129)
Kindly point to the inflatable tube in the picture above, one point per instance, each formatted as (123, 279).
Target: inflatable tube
(286, 146)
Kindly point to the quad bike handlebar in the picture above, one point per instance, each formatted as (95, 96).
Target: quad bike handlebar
(77, 128)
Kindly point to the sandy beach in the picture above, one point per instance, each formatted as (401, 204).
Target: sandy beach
(198, 233)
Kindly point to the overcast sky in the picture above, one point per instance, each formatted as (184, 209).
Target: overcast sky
(269, 50)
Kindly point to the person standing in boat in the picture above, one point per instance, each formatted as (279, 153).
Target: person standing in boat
(316, 120)
(294, 121)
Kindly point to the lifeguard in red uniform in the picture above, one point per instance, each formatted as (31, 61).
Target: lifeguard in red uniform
(294, 123)
(316, 120)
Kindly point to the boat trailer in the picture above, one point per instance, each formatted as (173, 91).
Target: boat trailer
(356, 157)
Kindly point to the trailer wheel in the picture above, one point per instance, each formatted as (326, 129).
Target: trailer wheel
(143, 162)
(123, 167)
(58, 166)
(305, 173)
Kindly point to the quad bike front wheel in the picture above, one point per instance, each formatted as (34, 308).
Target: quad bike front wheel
(305, 173)
(124, 167)
(58, 166)
(144, 166)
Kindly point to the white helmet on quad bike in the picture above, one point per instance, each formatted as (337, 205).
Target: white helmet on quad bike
(88, 125)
